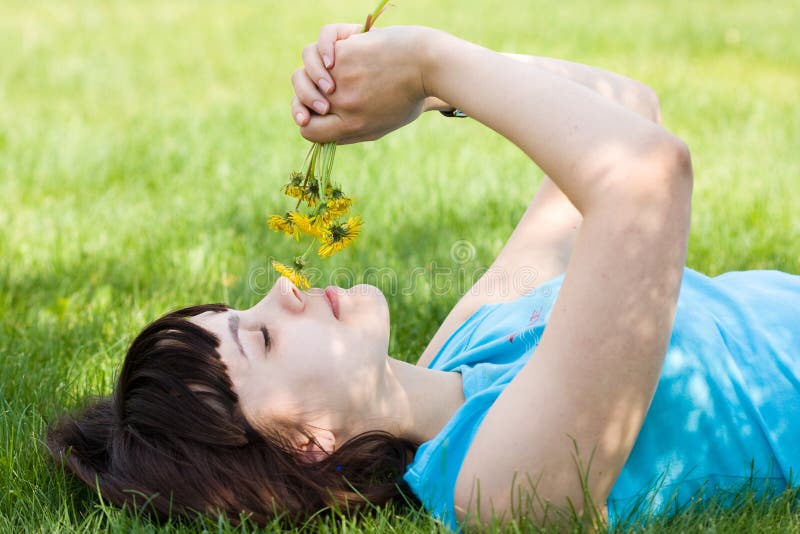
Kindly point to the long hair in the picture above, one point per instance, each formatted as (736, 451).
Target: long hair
(172, 441)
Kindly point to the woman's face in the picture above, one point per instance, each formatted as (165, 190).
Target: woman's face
(313, 357)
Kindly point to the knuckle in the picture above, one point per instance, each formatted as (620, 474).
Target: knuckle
(305, 97)
(301, 92)
(340, 49)
(308, 54)
(302, 87)
(302, 95)
(329, 32)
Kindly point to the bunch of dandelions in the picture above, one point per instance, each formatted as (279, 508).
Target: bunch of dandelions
(322, 211)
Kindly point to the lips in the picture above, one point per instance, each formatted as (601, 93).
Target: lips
(333, 300)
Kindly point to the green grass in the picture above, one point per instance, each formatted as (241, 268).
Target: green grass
(142, 143)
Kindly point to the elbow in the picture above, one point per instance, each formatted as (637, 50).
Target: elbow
(666, 163)
(663, 201)
(681, 180)
(676, 162)
(658, 181)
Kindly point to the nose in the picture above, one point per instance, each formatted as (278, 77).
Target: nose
(287, 295)
(283, 298)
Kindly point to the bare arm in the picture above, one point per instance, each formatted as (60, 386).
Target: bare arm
(598, 362)
(541, 244)
(632, 94)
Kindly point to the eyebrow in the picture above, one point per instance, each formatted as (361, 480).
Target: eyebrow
(233, 326)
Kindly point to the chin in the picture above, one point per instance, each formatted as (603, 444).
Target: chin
(371, 309)
(366, 290)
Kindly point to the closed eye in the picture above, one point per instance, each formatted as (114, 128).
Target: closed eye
(267, 340)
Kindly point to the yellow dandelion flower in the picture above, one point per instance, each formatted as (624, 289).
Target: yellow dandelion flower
(284, 224)
(295, 276)
(294, 191)
(311, 192)
(338, 206)
(325, 216)
(337, 203)
(339, 236)
(294, 188)
(312, 226)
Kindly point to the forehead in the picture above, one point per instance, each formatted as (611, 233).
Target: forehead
(218, 323)
(210, 319)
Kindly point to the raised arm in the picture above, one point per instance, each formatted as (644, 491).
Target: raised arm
(632, 94)
(597, 365)
(542, 241)
(541, 244)
(599, 360)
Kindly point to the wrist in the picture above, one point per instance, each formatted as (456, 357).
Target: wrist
(433, 45)
(446, 70)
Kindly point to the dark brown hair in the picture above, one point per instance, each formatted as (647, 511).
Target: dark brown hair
(172, 440)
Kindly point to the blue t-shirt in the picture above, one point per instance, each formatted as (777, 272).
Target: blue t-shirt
(726, 409)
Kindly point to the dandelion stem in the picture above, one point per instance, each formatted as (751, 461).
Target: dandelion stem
(328, 153)
(374, 15)
(312, 156)
(310, 246)
(318, 167)
(308, 154)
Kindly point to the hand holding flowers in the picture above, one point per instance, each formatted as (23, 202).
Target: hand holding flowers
(325, 208)
(369, 99)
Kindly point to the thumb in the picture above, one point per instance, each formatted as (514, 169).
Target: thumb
(324, 128)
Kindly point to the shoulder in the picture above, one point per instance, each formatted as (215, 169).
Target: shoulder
(433, 473)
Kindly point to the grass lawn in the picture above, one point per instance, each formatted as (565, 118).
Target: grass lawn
(142, 144)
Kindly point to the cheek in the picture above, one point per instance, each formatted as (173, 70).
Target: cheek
(265, 402)
(336, 359)
(336, 346)
(249, 400)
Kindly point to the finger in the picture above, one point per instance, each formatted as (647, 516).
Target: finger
(307, 92)
(316, 70)
(328, 35)
(300, 113)
(323, 128)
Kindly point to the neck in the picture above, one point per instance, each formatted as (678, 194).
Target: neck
(418, 402)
